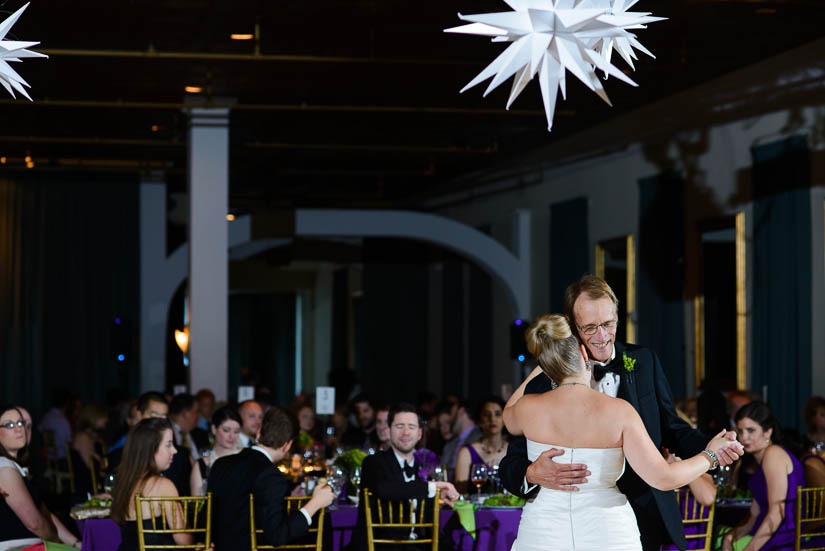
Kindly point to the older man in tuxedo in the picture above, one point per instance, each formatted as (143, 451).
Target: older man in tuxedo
(391, 474)
(632, 373)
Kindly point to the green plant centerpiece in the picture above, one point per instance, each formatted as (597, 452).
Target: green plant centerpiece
(348, 462)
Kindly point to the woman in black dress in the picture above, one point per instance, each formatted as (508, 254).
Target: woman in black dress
(148, 451)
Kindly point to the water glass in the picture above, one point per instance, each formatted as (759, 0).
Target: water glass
(478, 475)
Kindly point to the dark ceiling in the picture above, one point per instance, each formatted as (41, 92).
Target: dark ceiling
(350, 102)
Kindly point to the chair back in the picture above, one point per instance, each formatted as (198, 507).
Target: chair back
(53, 472)
(697, 520)
(408, 515)
(180, 514)
(810, 519)
(292, 505)
(96, 468)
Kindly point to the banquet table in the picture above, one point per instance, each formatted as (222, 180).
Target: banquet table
(496, 530)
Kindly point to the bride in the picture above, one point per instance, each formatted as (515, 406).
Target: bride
(592, 428)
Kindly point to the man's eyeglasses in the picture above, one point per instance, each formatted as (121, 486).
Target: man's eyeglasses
(11, 424)
(609, 326)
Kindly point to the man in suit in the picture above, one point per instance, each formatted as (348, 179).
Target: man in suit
(252, 415)
(465, 432)
(632, 373)
(252, 471)
(391, 474)
(149, 405)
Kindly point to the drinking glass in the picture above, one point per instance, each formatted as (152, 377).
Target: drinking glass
(108, 482)
(356, 481)
(478, 475)
(336, 481)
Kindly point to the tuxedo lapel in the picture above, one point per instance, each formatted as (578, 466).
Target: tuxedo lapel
(627, 386)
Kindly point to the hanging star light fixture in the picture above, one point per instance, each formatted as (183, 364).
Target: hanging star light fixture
(550, 37)
(11, 51)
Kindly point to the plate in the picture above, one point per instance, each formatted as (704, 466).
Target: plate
(495, 507)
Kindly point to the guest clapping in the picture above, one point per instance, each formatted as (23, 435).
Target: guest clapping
(148, 451)
(226, 428)
(490, 448)
(770, 524)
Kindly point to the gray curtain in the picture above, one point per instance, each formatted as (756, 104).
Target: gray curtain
(781, 342)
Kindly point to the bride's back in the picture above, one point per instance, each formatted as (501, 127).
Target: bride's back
(574, 416)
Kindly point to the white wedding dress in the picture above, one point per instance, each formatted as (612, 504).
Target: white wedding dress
(598, 517)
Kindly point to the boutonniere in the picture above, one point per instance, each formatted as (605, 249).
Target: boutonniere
(629, 363)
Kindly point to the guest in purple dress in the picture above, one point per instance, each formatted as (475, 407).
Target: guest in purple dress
(771, 520)
(489, 449)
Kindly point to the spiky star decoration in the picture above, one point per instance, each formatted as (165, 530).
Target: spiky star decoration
(551, 36)
(11, 51)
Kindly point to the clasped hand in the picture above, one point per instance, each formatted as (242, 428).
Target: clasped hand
(726, 447)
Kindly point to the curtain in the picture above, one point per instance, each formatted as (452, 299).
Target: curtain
(781, 342)
(661, 275)
(569, 248)
(69, 260)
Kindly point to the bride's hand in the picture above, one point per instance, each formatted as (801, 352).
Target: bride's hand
(726, 448)
(557, 476)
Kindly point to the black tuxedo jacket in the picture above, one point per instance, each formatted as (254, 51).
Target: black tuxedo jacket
(231, 480)
(382, 475)
(648, 391)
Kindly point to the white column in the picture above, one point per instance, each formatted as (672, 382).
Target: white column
(208, 256)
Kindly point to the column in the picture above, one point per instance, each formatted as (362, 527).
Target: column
(208, 256)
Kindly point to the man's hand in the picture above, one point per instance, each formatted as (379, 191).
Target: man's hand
(729, 454)
(448, 492)
(557, 476)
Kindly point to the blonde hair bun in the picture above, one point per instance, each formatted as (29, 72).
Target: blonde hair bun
(546, 328)
(551, 340)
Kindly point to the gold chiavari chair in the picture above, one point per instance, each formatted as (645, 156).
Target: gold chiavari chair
(53, 471)
(292, 505)
(187, 516)
(697, 519)
(410, 514)
(810, 519)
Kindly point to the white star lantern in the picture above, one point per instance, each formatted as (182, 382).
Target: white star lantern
(550, 37)
(11, 51)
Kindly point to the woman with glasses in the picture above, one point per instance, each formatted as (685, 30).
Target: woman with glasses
(21, 522)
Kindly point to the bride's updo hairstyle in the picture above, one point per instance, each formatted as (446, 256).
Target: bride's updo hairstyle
(553, 343)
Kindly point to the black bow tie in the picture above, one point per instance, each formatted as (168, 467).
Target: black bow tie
(409, 470)
(599, 371)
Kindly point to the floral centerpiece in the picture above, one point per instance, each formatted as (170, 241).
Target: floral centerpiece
(427, 460)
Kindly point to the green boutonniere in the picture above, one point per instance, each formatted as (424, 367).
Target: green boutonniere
(629, 363)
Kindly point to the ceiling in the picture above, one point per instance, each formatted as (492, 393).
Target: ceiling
(346, 102)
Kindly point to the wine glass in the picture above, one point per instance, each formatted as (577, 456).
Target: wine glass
(478, 475)
(336, 481)
(356, 481)
(108, 482)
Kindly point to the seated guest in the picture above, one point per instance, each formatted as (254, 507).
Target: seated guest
(813, 458)
(391, 474)
(23, 518)
(770, 524)
(252, 471)
(464, 432)
(308, 435)
(362, 434)
(489, 449)
(702, 491)
(56, 420)
(226, 427)
(148, 452)
(150, 405)
(132, 418)
(206, 407)
(252, 415)
(382, 427)
(87, 444)
(183, 413)
(444, 419)
(711, 412)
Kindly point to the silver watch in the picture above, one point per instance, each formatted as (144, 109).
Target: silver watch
(714, 461)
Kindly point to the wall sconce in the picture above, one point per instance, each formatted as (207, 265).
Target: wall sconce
(182, 338)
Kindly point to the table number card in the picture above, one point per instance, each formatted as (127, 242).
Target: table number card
(246, 393)
(325, 400)
(179, 389)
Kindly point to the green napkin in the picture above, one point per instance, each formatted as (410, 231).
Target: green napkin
(466, 512)
(52, 546)
(738, 545)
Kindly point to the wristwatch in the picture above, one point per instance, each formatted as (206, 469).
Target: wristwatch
(714, 462)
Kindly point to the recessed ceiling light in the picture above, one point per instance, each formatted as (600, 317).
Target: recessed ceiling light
(193, 89)
(235, 36)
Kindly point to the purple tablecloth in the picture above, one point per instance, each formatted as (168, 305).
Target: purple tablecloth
(497, 529)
